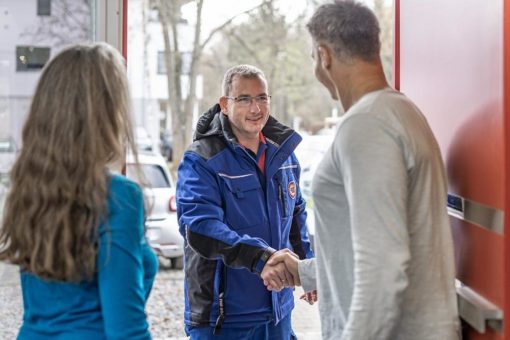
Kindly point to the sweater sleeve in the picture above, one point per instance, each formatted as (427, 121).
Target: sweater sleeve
(307, 274)
(120, 264)
(201, 220)
(374, 171)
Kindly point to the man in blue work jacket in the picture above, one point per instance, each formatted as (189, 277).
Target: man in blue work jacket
(238, 201)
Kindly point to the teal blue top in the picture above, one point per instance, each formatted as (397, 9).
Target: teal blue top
(112, 305)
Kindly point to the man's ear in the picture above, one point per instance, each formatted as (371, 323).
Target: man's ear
(223, 104)
(325, 56)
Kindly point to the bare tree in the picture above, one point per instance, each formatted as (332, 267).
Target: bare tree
(280, 46)
(181, 103)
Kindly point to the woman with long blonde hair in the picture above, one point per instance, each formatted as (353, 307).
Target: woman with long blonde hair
(74, 227)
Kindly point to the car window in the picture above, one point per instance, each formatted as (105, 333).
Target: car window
(154, 175)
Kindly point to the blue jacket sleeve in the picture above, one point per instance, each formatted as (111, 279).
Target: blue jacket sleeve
(120, 264)
(298, 231)
(201, 219)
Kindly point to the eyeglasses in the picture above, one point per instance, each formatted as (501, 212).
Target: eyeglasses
(246, 100)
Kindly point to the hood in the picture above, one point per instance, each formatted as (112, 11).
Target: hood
(209, 124)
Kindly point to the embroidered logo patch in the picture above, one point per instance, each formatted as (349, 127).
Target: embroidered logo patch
(292, 189)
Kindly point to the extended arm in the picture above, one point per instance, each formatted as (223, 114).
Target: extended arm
(201, 219)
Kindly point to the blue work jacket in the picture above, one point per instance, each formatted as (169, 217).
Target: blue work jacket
(233, 217)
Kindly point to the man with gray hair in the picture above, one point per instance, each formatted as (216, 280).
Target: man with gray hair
(384, 267)
(238, 201)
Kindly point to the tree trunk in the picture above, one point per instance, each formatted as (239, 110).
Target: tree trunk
(182, 108)
(173, 67)
(195, 58)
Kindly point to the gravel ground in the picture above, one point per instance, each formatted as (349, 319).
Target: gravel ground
(165, 307)
(10, 313)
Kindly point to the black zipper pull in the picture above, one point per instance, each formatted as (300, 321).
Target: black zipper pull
(221, 317)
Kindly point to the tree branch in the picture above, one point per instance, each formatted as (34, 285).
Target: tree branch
(228, 22)
(246, 47)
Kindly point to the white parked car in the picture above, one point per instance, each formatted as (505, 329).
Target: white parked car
(162, 229)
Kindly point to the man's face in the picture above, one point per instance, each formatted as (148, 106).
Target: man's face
(247, 119)
(320, 72)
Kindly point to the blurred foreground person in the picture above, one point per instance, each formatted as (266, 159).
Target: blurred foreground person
(76, 229)
(384, 267)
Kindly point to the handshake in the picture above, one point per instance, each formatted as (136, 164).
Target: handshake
(281, 271)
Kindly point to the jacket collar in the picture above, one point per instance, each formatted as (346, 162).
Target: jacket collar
(215, 123)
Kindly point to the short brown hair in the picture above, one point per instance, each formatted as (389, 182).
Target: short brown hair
(245, 71)
(349, 27)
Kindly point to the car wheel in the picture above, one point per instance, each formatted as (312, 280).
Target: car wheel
(177, 262)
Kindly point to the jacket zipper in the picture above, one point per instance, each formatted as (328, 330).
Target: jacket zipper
(221, 301)
(280, 197)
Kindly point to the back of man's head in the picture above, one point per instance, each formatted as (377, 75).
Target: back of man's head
(350, 28)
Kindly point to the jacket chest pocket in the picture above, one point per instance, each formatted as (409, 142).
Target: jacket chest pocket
(287, 189)
(244, 201)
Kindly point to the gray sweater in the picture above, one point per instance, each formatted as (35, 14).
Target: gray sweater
(384, 265)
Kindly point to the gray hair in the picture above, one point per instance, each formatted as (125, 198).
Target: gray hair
(245, 71)
(349, 27)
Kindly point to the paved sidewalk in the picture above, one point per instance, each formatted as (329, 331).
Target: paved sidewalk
(305, 318)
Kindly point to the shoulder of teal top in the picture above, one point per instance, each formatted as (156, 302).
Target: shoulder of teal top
(119, 182)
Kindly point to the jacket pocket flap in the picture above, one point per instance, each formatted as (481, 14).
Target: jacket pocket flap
(241, 184)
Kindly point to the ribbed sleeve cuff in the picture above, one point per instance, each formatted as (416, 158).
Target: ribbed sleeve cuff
(259, 266)
(307, 274)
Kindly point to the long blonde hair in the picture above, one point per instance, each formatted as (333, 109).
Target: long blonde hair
(79, 122)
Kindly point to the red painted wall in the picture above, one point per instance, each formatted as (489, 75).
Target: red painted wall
(450, 63)
(506, 107)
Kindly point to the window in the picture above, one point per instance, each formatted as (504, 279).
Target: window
(29, 58)
(161, 62)
(44, 7)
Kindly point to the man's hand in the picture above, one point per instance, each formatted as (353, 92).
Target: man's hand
(281, 270)
(310, 297)
(277, 277)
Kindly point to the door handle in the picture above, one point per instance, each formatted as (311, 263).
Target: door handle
(476, 310)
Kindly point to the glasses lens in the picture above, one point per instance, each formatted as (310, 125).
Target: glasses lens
(244, 100)
(262, 99)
